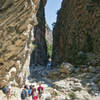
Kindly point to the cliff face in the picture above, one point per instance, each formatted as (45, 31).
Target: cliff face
(39, 54)
(17, 22)
(77, 31)
(48, 34)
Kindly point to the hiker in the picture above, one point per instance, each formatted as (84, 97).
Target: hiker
(29, 93)
(54, 93)
(35, 95)
(6, 90)
(29, 90)
(32, 90)
(24, 93)
(40, 90)
(48, 65)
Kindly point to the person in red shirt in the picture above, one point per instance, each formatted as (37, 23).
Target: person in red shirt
(40, 90)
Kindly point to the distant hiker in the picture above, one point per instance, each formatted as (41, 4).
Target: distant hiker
(29, 93)
(35, 96)
(6, 90)
(54, 93)
(48, 65)
(29, 90)
(24, 93)
(40, 90)
(32, 90)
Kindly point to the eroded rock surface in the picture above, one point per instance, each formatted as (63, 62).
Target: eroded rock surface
(77, 30)
(39, 54)
(49, 37)
(17, 21)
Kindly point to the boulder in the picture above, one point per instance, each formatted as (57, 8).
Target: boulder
(98, 68)
(83, 68)
(98, 84)
(66, 68)
(54, 75)
(91, 69)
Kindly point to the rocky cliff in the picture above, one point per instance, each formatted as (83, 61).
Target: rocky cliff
(17, 25)
(49, 41)
(39, 55)
(49, 36)
(77, 33)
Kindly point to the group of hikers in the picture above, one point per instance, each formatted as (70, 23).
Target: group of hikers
(31, 92)
(27, 93)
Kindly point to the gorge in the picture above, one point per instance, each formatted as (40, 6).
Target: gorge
(76, 44)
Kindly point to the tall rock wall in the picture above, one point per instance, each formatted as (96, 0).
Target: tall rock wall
(39, 54)
(77, 32)
(48, 34)
(17, 22)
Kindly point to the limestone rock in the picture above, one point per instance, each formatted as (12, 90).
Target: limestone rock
(54, 75)
(93, 59)
(49, 36)
(98, 84)
(77, 29)
(39, 54)
(66, 68)
(17, 24)
(91, 69)
(98, 68)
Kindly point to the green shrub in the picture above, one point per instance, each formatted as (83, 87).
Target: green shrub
(72, 95)
(49, 49)
(56, 94)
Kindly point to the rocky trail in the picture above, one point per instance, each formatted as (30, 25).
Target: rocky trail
(77, 86)
(73, 45)
(38, 74)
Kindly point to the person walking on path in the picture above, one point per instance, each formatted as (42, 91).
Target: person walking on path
(24, 93)
(40, 90)
(7, 91)
(35, 95)
(32, 91)
(29, 89)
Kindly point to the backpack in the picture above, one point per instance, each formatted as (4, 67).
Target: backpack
(24, 94)
(33, 89)
(5, 89)
(40, 90)
(29, 92)
(32, 92)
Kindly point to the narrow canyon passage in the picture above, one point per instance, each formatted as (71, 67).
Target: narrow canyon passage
(28, 42)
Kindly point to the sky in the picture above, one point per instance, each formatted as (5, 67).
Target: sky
(51, 9)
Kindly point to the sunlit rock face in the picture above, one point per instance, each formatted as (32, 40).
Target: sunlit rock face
(17, 21)
(39, 54)
(48, 34)
(77, 32)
